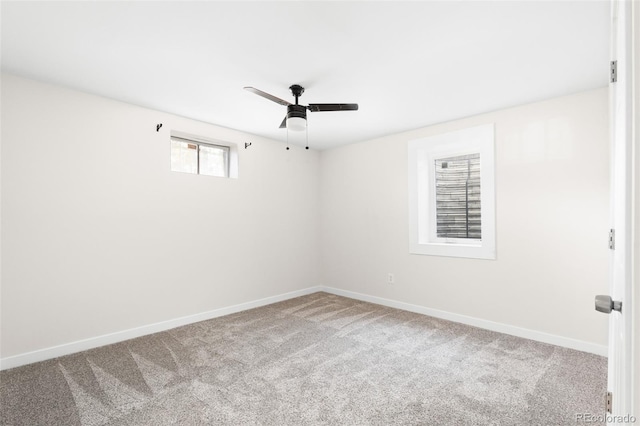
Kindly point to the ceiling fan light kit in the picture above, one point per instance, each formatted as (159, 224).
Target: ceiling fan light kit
(296, 118)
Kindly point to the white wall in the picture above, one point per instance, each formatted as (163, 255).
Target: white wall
(98, 236)
(552, 206)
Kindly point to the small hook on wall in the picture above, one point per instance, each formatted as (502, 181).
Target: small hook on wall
(158, 126)
(247, 145)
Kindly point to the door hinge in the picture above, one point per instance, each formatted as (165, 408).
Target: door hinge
(608, 401)
(614, 71)
(612, 239)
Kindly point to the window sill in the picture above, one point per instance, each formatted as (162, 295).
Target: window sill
(470, 251)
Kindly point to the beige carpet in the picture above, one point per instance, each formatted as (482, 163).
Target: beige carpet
(317, 359)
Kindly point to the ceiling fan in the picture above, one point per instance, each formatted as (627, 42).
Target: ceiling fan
(296, 118)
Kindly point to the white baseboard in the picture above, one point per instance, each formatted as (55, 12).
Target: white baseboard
(526, 333)
(107, 339)
(119, 336)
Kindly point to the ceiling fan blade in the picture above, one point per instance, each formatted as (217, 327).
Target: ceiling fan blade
(284, 123)
(332, 107)
(267, 96)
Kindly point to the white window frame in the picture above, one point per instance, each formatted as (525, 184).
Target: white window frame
(232, 155)
(422, 154)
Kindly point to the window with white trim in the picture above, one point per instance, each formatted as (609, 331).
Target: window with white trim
(190, 154)
(452, 194)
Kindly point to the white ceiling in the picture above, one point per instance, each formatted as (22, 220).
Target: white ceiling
(407, 64)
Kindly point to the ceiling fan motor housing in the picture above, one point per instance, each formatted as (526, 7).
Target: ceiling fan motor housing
(297, 111)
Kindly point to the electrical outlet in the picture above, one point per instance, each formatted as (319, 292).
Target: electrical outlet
(391, 279)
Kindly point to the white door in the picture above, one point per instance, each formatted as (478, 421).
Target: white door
(620, 331)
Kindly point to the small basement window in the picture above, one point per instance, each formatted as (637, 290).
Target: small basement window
(196, 156)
